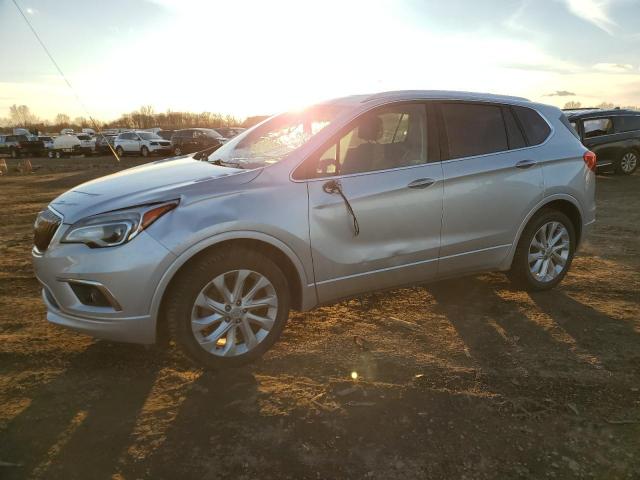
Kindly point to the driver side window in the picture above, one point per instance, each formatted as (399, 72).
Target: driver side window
(390, 137)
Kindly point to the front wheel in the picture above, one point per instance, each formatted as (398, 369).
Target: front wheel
(177, 151)
(628, 163)
(144, 151)
(120, 151)
(545, 251)
(58, 154)
(50, 154)
(228, 308)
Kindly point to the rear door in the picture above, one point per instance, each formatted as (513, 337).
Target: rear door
(491, 182)
(600, 137)
(375, 212)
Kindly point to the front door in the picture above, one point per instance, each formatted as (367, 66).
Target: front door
(375, 212)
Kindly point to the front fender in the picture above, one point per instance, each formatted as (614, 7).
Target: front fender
(307, 287)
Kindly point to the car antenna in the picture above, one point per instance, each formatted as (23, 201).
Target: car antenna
(55, 64)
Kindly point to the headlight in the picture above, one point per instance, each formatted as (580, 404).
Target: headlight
(115, 228)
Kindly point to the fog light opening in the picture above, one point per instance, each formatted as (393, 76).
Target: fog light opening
(93, 294)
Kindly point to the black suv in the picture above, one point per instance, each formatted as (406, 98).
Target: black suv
(18, 145)
(614, 136)
(192, 140)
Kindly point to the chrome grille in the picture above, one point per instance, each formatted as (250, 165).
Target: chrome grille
(44, 229)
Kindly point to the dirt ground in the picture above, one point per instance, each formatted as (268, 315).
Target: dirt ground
(465, 379)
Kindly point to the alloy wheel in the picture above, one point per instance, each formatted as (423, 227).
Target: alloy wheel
(628, 162)
(234, 313)
(549, 251)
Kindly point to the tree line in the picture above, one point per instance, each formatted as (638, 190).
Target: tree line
(145, 117)
(603, 106)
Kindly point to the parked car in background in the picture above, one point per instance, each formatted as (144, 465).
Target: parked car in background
(166, 134)
(192, 140)
(102, 144)
(613, 135)
(141, 143)
(229, 132)
(87, 142)
(19, 145)
(350, 196)
(47, 141)
(68, 145)
(89, 131)
(67, 131)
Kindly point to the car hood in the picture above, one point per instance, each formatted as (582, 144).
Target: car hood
(184, 178)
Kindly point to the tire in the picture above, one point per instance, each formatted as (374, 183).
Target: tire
(58, 154)
(522, 272)
(50, 154)
(198, 278)
(628, 162)
(144, 151)
(177, 151)
(120, 151)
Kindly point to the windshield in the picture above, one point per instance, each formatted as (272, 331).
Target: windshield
(149, 136)
(277, 137)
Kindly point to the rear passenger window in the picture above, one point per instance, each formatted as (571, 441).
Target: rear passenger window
(516, 139)
(535, 128)
(594, 127)
(474, 129)
(628, 123)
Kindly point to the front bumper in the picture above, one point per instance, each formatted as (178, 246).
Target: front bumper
(161, 150)
(130, 330)
(130, 273)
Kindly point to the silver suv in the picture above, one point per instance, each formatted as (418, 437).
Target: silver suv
(309, 207)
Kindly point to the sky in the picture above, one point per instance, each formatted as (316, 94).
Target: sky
(251, 57)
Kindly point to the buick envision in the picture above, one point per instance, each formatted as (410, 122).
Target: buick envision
(349, 196)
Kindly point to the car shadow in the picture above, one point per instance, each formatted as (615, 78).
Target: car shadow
(81, 416)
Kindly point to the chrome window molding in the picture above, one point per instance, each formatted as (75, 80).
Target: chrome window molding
(552, 132)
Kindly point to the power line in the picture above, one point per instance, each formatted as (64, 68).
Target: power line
(55, 64)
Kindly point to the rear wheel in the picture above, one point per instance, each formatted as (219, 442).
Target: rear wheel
(58, 154)
(628, 163)
(229, 308)
(120, 151)
(544, 252)
(177, 151)
(50, 154)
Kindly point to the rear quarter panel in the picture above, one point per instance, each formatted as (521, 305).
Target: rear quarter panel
(564, 170)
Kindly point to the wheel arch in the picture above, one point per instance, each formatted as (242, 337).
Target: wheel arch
(560, 202)
(284, 257)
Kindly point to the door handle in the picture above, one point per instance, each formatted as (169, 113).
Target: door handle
(526, 164)
(422, 183)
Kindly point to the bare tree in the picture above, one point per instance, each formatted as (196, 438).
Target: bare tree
(62, 120)
(572, 104)
(21, 116)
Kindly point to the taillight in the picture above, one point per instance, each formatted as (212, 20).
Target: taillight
(590, 159)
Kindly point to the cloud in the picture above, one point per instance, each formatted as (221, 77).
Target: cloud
(593, 11)
(561, 93)
(613, 67)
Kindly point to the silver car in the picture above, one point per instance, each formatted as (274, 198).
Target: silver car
(309, 207)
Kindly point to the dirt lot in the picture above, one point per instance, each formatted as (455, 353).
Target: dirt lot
(461, 379)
